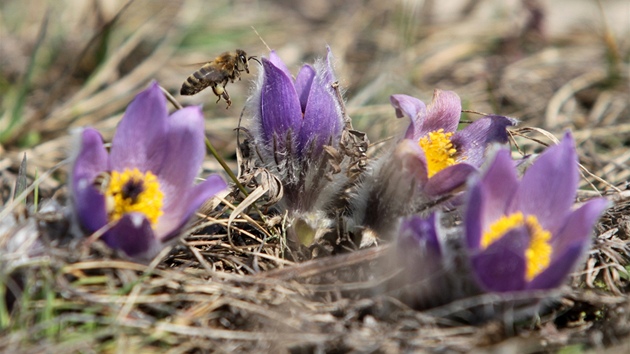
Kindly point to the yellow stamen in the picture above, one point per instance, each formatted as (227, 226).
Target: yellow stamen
(537, 255)
(134, 191)
(439, 151)
(500, 228)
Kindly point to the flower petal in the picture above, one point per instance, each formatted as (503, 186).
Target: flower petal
(279, 64)
(184, 153)
(443, 112)
(303, 84)
(133, 235)
(419, 235)
(412, 108)
(448, 179)
(578, 227)
(548, 187)
(91, 160)
(473, 221)
(472, 141)
(412, 160)
(499, 183)
(279, 104)
(142, 131)
(179, 212)
(501, 267)
(557, 272)
(90, 205)
(322, 118)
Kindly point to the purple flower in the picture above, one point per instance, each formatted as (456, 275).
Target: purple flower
(430, 162)
(419, 247)
(141, 192)
(428, 276)
(441, 156)
(297, 114)
(523, 235)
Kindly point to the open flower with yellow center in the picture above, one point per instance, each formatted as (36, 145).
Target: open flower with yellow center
(141, 193)
(432, 160)
(440, 156)
(523, 234)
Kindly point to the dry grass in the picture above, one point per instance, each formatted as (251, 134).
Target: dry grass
(64, 66)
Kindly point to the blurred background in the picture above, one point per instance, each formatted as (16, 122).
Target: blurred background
(552, 64)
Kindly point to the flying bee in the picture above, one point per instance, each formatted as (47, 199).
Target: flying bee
(216, 74)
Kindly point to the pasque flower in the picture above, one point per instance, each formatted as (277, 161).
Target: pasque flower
(299, 115)
(419, 253)
(441, 156)
(291, 120)
(141, 192)
(428, 276)
(523, 235)
(432, 160)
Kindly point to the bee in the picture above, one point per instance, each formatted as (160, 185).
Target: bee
(216, 74)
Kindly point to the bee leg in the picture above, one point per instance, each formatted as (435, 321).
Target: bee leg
(227, 99)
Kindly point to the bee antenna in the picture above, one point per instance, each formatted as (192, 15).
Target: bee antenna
(254, 58)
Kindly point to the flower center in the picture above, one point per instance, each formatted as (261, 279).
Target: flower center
(133, 191)
(439, 151)
(537, 255)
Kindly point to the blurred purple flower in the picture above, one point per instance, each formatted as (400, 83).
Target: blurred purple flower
(523, 235)
(142, 190)
(418, 247)
(297, 114)
(441, 156)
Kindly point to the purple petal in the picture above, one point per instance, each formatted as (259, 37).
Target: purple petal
(472, 141)
(412, 108)
(133, 235)
(558, 270)
(578, 227)
(499, 185)
(548, 187)
(322, 118)
(280, 104)
(184, 154)
(473, 221)
(279, 64)
(501, 266)
(448, 179)
(443, 112)
(141, 134)
(89, 205)
(303, 84)
(419, 234)
(92, 160)
(412, 160)
(181, 210)
(418, 252)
